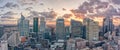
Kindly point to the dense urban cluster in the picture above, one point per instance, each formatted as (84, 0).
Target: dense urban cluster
(85, 35)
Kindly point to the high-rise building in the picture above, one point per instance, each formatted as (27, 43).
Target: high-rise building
(42, 24)
(67, 32)
(23, 26)
(3, 45)
(107, 26)
(60, 28)
(1, 30)
(35, 24)
(76, 28)
(92, 29)
(118, 31)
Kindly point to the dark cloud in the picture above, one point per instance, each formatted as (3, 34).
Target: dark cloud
(67, 15)
(48, 15)
(63, 9)
(97, 5)
(50, 9)
(116, 1)
(10, 5)
(28, 2)
(8, 15)
(28, 8)
(41, 3)
(34, 14)
(51, 14)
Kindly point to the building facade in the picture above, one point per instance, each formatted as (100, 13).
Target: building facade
(92, 29)
(60, 28)
(23, 26)
(76, 28)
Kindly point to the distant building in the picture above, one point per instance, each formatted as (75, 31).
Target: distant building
(1, 30)
(3, 45)
(14, 40)
(23, 26)
(59, 45)
(70, 44)
(60, 28)
(35, 24)
(76, 28)
(92, 29)
(42, 24)
(67, 32)
(80, 43)
(118, 31)
(35, 27)
(107, 26)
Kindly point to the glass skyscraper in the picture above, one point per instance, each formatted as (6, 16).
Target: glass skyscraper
(35, 24)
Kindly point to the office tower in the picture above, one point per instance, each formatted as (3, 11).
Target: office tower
(92, 29)
(118, 31)
(23, 26)
(107, 25)
(47, 34)
(84, 32)
(1, 30)
(76, 28)
(60, 28)
(67, 32)
(14, 40)
(35, 24)
(3, 45)
(42, 24)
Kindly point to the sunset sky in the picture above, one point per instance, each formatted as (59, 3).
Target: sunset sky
(51, 9)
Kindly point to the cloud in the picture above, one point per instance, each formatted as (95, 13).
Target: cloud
(116, 1)
(10, 5)
(28, 8)
(96, 8)
(34, 14)
(63, 9)
(28, 2)
(50, 14)
(41, 3)
(67, 15)
(8, 15)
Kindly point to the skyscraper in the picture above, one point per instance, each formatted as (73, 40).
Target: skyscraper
(1, 30)
(76, 28)
(60, 28)
(23, 26)
(35, 24)
(42, 24)
(92, 29)
(118, 31)
(107, 25)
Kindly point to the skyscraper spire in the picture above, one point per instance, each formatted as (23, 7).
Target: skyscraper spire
(22, 17)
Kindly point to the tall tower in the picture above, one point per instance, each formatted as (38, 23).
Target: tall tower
(35, 24)
(23, 26)
(42, 24)
(60, 28)
(107, 25)
(92, 29)
(76, 28)
(1, 30)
